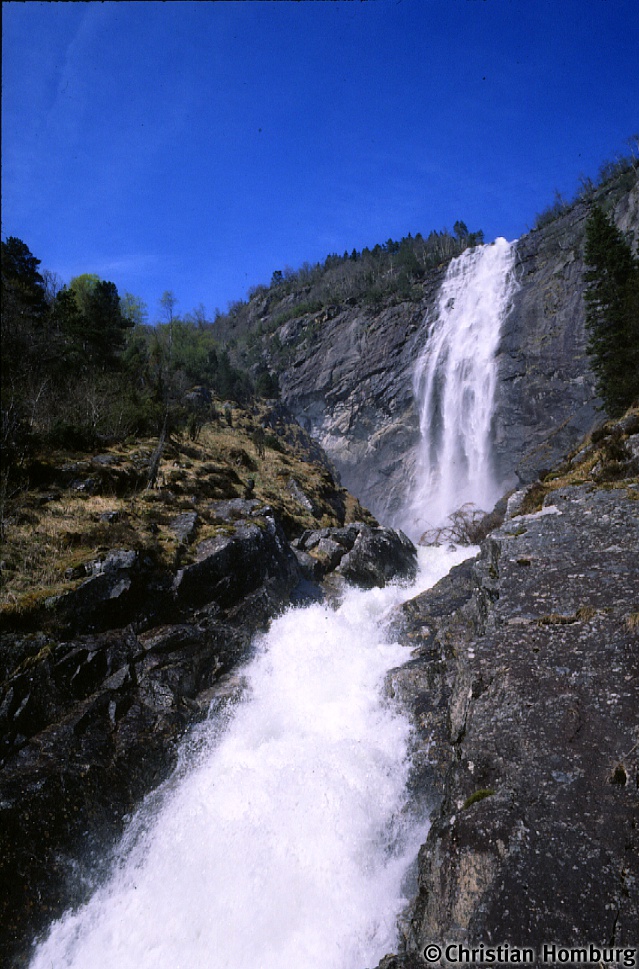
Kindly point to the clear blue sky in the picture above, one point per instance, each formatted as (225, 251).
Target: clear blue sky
(197, 147)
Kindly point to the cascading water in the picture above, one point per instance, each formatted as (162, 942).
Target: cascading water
(454, 385)
(283, 839)
(286, 842)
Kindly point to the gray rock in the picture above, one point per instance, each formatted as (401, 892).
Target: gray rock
(300, 496)
(524, 688)
(344, 537)
(351, 385)
(111, 517)
(379, 556)
(233, 510)
(115, 560)
(228, 567)
(185, 526)
(363, 555)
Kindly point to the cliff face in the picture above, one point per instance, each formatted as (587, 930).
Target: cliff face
(350, 385)
(348, 375)
(524, 690)
(546, 398)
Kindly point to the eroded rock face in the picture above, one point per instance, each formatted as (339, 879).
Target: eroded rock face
(546, 400)
(524, 688)
(349, 379)
(351, 387)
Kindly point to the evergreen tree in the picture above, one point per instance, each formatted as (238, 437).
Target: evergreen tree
(105, 325)
(612, 312)
(23, 294)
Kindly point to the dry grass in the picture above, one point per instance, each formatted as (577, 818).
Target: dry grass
(602, 460)
(50, 534)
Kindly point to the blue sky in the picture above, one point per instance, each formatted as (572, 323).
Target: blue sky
(197, 147)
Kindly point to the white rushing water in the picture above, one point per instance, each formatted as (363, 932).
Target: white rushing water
(285, 843)
(454, 384)
(284, 838)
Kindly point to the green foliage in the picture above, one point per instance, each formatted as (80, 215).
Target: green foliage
(80, 368)
(82, 287)
(273, 442)
(167, 360)
(267, 385)
(477, 796)
(167, 305)
(293, 312)
(134, 309)
(612, 312)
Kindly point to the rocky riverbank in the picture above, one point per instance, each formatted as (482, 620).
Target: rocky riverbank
(524, 691)
(108, 666)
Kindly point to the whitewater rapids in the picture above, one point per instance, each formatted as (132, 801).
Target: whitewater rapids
(283, 839)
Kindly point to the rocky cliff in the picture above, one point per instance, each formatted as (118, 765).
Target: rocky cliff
(546, 400)
(523, 685)
(524, 691)
(346, 371)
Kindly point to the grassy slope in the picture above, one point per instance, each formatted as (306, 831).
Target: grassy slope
(77, 508)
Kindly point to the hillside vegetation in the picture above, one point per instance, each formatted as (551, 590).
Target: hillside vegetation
(80, 505)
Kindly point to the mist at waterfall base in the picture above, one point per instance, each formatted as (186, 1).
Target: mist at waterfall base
(454, 385)
(284, 837)
(285, 840)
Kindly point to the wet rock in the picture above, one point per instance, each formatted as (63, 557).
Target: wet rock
(524, 688)
(365, 556)
(87, 731)
(228, 567)
(92, 722)
(310, 567)
(379, 556)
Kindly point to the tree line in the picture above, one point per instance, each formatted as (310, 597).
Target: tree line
(389, 272)
(81, 367)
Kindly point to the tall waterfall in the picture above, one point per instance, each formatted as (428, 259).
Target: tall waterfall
(454, 385)
(284, 837)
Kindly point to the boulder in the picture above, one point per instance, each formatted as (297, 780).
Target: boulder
(184, 526)
(228, 567)
(365, 556)
(379, 556)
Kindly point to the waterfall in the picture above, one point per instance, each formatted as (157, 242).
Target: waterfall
(454, 385)
(284, 837)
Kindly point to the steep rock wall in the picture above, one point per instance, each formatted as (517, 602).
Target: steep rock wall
(349, 371)
(546, 398)
(349, 382)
